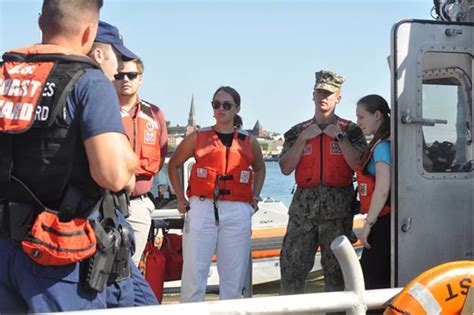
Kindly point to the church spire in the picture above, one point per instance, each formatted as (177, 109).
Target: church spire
(257, 129)
(192, 114)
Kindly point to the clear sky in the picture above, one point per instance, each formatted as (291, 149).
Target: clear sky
(268, 50)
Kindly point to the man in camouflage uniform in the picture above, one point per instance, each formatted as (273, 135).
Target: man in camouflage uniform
(322, 211)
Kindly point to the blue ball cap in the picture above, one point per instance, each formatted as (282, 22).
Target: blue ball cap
(109, 34)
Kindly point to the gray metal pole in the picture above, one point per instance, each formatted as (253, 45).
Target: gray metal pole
(351, 271)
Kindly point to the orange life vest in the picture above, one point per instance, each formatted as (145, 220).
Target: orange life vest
(220, 172)
(366, 187)
(144, 133)
(322, 161)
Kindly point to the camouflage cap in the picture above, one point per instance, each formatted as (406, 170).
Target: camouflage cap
(328, 80)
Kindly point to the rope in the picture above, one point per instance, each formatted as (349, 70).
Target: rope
(396, 309)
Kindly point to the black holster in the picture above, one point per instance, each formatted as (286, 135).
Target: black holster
(97, 269)
(120, 267)
(110, 262)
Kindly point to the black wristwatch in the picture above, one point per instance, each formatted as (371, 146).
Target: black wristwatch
(340, 136)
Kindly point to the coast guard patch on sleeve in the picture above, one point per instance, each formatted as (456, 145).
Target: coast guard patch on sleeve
(363, 189)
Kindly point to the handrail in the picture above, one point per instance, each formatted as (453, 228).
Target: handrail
(351, 271)
(289, 304)
(355, 300)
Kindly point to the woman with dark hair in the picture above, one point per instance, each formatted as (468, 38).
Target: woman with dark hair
(223, 191)
(373, 177)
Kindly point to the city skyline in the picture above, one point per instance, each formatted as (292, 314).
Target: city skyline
(192, 121)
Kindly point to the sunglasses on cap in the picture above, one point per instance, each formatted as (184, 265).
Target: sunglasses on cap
(226, 105)
(130, 75)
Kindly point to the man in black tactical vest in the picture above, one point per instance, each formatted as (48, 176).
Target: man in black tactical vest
(63, 156)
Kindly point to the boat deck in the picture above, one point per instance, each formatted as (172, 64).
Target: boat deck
(314, 284)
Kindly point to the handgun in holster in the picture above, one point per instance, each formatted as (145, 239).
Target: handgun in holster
(98, 268)
(120, 267)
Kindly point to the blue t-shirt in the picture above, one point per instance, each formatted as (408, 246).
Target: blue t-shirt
(94, 105)
(381, 153)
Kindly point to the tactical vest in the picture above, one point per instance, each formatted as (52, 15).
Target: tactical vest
(221, 172)
(144, 133)
(322, 162)
(38, 146)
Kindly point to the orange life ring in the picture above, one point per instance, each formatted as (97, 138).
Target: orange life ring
(440, 290)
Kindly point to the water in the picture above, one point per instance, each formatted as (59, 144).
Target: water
(277, 185)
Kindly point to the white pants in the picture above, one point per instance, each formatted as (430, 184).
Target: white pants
(230, 241)
(140, 220)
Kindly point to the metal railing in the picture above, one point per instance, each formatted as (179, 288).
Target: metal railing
(354, 300)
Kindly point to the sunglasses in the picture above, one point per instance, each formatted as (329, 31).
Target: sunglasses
(226, 105)
(130, 75)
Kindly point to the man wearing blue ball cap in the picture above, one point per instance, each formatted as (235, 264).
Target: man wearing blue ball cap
(109, 34)
(131, 289)
(109, 50)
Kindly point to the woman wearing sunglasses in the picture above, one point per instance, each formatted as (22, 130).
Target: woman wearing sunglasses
(223, 192)
(373, 177)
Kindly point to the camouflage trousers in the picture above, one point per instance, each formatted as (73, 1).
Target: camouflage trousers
(298, 253)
